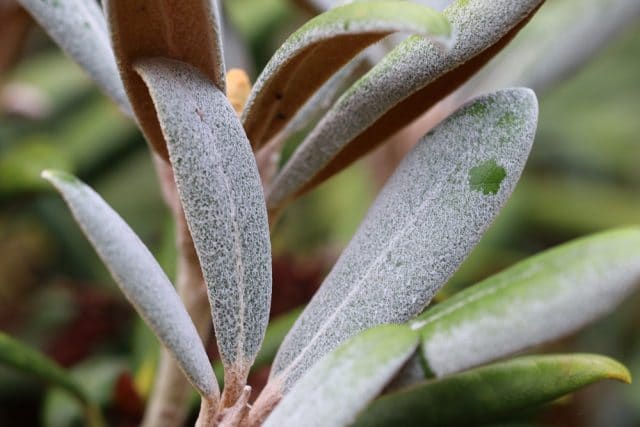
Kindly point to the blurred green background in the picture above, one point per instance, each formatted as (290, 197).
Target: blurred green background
(583, 176)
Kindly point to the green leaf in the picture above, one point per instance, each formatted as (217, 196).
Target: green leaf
(338, 387)
(425, 221)
(98, 377)
(540, 299)
(491, 392)
(21, 164)
(140, 277)
(322, 46)
(29, 361)
(223, 200)
(79, 27)
(185, 30)
(405, 84)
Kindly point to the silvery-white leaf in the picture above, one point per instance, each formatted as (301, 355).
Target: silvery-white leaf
(426, 220)
(185, 30)
(560, 38)
(340, 385)
(220, 190)
(411, 79)
(79, 27)
(321, 47)
(540, 299)
(140, 278)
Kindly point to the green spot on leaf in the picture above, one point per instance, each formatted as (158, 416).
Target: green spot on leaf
(487, 177)
(507, 120)
(477, 109)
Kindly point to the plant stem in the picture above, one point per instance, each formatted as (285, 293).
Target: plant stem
(93, 415)
(208, 412)
(169, 402)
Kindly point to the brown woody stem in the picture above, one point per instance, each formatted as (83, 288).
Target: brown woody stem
(169, 402)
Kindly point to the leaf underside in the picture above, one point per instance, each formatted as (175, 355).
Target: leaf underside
(186, 30)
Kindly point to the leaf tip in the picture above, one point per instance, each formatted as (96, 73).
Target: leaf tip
(57, 176)
(621, 373)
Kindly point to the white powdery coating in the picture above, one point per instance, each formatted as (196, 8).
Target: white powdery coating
(79, 27)
(541, 299)
(336, 389)
(408, 68)
(421, 227)
(140, 277)
(336, 24)
(222, 197)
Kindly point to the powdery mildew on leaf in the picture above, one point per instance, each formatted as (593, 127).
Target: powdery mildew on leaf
(224, 205)
(79, 28)
(140, 277)
(338, 387)
(319, 48)
(424, 223)
(540, 299)
(397, 91)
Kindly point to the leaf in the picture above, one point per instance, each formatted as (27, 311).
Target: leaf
(21, 164)
(315, 6)
(405, 84)
(15, 24)
(540, 299)
(186, 30)
(269, 156)
(224, 205)
(29, 361)
(140, 277)
(557, 34)
(343, 382)
(321, 47)
(426, 220)
(79, 27)
(98, 377)
(491, 392)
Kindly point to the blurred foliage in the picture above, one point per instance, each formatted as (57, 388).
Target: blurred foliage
(584, 176)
